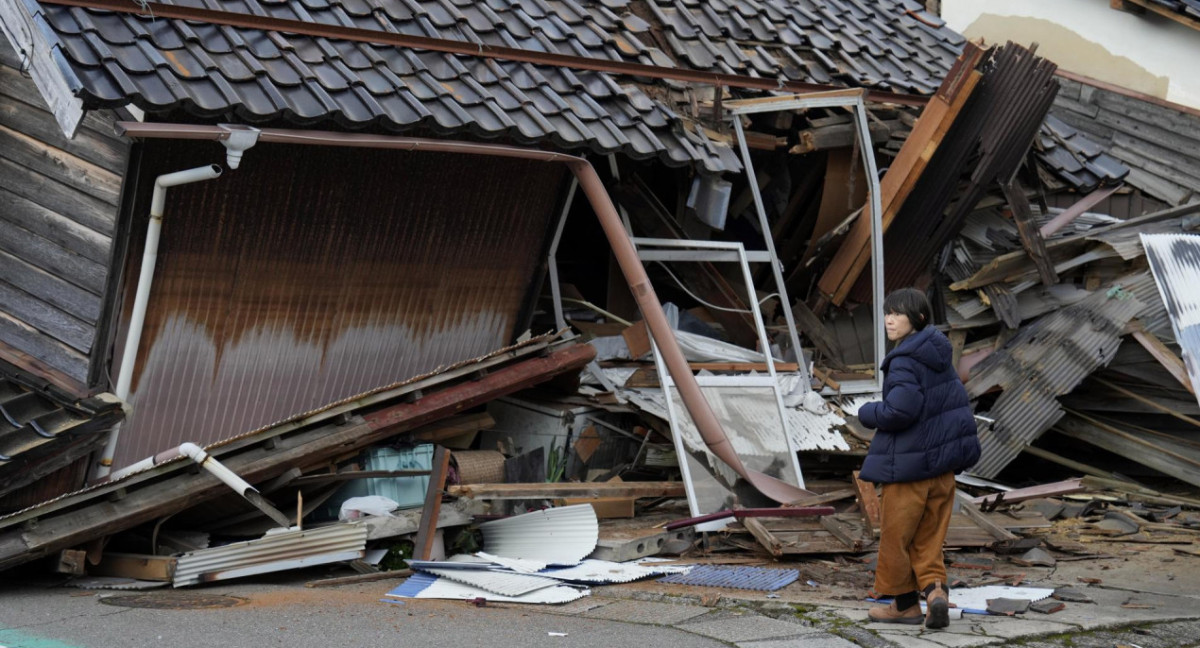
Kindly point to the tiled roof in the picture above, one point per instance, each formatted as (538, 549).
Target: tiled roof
(233, 73)
(894, 45)
(37, 421)
(1075, 158)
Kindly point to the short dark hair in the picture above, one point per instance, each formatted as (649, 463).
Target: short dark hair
(910, 302)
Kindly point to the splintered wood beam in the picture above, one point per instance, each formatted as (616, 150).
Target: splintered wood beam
(764, 536)
(903, 173)
(868, 502)
(971, 511)
(1033, 492)
(423, 545)
(1031, 238)
(569, 489)
(1167, 358)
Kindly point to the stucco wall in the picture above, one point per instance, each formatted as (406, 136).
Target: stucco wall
(1146, 53)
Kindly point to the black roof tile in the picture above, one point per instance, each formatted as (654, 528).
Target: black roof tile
(165, 65)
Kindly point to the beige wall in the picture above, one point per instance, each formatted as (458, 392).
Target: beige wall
(1146, 53)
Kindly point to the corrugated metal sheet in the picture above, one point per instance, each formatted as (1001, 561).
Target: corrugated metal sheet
(483, 574)
(1159, 144)
(597, 572)
(557, 536)
(1045, 360)
(428, 586)
(1175, 262)
(312, 274)
(58, 210)
(750, 578)
(273, 552)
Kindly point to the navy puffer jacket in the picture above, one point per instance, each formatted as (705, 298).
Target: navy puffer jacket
(924, 422)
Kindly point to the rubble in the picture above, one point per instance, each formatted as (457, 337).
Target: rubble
(697, 401)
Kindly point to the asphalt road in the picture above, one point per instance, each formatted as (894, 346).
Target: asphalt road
(39, 615)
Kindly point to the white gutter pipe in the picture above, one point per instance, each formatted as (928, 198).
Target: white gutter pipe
(145, 279)
(209, 463)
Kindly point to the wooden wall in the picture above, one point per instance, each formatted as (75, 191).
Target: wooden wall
(58, 209)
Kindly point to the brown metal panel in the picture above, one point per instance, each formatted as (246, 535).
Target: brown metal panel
(310, 274)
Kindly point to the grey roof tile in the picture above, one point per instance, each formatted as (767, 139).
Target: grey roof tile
(165, 65)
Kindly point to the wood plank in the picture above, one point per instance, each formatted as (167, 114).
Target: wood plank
(47, 319)
(423, 544)
(46, 160)
(971, 511)
(33, 351)
(57, 197)
(454, 427)
(841, 532)
(568, 489)
(95, 140)
(1167, 358)
(1031, 238)
(1135, 447)
(52, 258)
(764, 536)
(1055, 489)
(53, 291)
(350, 475)
(840, 136)
(53, 226)
(1147, 401)
(868, 502)
(160, 491)
(815, 330)
(138, 566)
(902, 175)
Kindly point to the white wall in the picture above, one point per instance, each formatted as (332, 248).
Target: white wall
(1147, 53)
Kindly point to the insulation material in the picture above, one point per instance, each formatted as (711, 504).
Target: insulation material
(557, 536)
(1175, 262)
(428, 586)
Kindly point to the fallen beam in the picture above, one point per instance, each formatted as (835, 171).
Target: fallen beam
(85, 516)
(569, 489)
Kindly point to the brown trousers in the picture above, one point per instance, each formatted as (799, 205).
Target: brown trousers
(914, 519)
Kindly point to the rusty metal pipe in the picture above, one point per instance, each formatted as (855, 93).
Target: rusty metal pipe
(627, 258)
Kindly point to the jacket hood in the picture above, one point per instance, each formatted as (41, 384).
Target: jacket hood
(928, 346)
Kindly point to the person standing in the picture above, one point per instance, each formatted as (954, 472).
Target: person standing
(925, 434)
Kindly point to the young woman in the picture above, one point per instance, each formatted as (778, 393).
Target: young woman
(925, 434)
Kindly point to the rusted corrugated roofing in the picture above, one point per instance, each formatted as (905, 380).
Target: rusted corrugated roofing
(1047, 359)
(272, 297)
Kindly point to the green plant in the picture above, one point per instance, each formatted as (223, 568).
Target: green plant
(396, 555)
(556, 462)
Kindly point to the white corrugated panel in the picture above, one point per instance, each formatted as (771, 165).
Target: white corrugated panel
(1175, 262)
(427, 586)
(494, 581)
(605, 571)
(273, 552)
(557, 536)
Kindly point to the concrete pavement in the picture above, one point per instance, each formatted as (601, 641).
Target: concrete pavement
(283, 612)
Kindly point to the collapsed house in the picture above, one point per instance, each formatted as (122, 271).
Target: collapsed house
(345, 262)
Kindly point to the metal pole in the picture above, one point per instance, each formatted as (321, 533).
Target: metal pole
(776, 271)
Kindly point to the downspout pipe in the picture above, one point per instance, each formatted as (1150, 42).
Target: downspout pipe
(614, 230)
(218, 470)
(137, 320)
